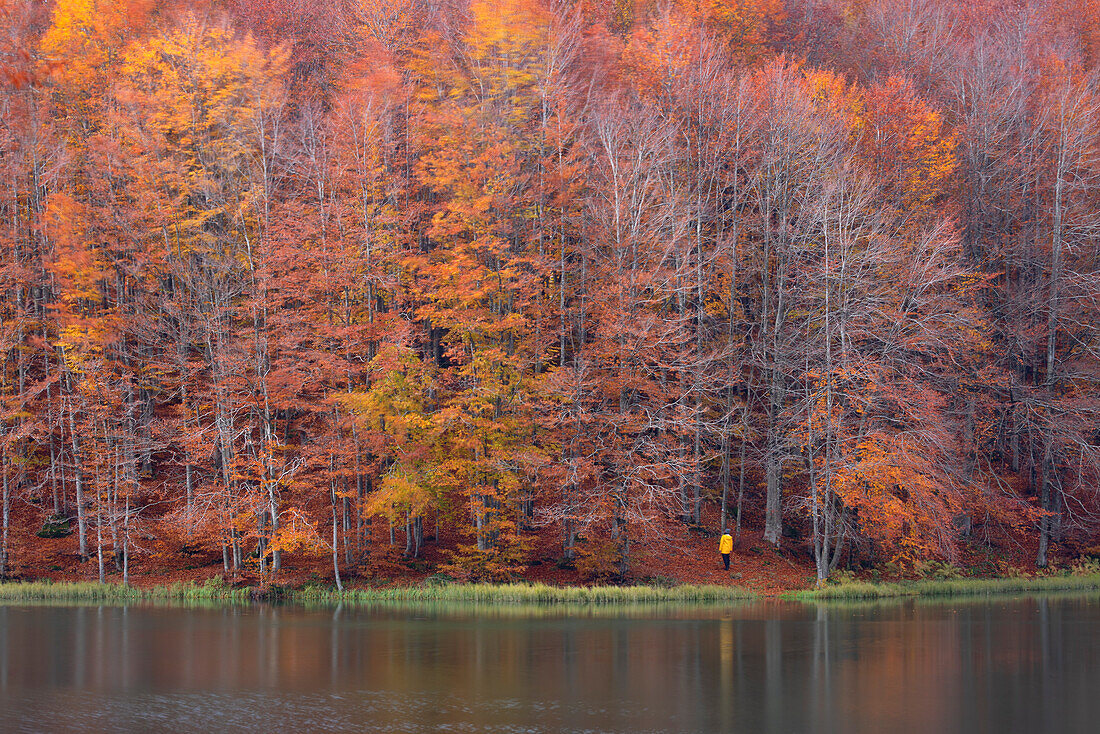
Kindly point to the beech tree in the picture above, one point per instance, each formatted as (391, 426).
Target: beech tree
(1069, 126)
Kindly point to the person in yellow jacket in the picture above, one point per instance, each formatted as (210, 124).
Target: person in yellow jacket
(725, 547)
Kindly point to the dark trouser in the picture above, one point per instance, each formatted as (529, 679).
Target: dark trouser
(726, 560)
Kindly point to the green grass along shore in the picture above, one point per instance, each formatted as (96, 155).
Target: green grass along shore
(216, 590)
(929, 588)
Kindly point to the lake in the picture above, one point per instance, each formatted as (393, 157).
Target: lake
(1019, 665)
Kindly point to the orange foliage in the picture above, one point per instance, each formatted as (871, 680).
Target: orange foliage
(287, 279)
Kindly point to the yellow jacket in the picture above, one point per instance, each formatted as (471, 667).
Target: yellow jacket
(725, 545)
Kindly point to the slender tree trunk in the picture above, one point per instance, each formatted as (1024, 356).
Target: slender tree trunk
(335, 544)
(1046, 523)
(262, 542)
(1044, 502)
(773, 507)
(53, 471)
(741, 470)
(724, 475)
(112, 507)
(7, 517)
(126, 542)
(345, 523)
(54, 453)
(81, 527)
(188, 485)
(99, 541)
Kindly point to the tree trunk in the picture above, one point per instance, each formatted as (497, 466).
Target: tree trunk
(81, 527)
(7, 517)
(335, 544)
(1044, 503)
(773, 507)
(99, 542)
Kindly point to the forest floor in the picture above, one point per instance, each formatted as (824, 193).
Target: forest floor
(680, 555)
(755, 565)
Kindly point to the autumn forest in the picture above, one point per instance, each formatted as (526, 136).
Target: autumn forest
(337, 280)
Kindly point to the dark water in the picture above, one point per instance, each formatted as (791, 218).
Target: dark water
(1028, 665)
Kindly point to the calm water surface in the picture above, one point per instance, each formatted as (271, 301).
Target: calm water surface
(1030, 665)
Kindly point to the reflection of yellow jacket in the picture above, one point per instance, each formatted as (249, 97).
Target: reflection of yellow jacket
(725, 545)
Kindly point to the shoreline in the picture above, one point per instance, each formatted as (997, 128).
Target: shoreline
(217, 591)
(214, 590)
(945, 588)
